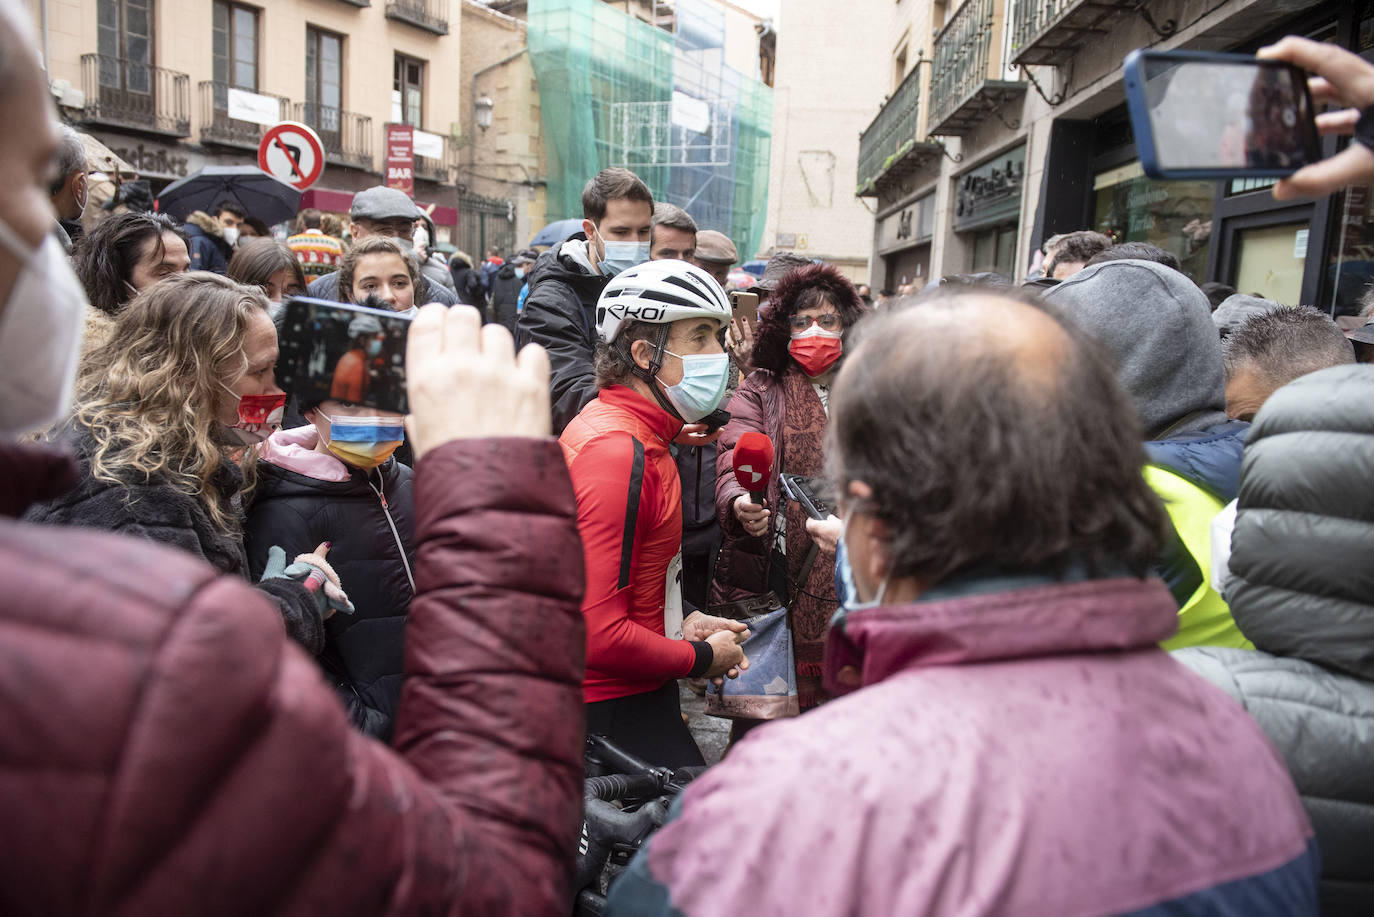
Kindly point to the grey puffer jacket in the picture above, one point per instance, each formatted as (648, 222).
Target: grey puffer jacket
(1302, 590)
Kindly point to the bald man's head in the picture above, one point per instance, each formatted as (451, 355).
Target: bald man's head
(991, 431)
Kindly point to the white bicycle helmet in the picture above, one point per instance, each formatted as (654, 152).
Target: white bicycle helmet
(660, 292)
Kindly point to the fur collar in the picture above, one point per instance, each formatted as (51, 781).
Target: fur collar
(206, 224)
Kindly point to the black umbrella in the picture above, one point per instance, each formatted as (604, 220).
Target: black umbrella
(259, 194)
(556, 232)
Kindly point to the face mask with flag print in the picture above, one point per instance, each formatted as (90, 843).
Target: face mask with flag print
(364, 442)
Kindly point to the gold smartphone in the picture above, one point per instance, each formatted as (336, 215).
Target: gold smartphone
(745, 305)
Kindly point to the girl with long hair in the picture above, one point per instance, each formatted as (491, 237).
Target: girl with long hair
(340, 477)
(378, 267)
(272, 266)
(164, 412)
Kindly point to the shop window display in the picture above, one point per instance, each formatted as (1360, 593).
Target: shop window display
(1174, 215)
(1350, 264)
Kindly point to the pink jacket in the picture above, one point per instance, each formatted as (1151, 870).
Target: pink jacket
(1023, 751)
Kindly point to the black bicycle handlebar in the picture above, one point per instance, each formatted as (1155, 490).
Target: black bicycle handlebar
(622, 776)
(622, 786)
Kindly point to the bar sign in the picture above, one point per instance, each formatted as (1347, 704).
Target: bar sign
(400, 158)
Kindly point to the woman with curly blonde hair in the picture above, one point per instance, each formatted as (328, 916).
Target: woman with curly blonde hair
(164, 411)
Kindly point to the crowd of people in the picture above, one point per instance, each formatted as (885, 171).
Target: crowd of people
(1066, 573)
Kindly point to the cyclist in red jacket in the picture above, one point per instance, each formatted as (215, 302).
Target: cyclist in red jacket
(659, 366)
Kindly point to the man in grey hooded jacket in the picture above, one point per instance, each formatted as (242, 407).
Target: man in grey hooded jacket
(1156, 325)
(1302, 589)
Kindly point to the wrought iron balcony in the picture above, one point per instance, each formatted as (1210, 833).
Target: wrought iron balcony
(888, 146)
(964, 84)
(430, 15)
(217, 127)
(135, 96)
(1050, 32)
(438, 170)
(346, 135)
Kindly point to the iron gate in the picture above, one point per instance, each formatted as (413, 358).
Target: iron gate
(485, 222)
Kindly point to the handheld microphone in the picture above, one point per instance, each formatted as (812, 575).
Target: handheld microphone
(753, 464)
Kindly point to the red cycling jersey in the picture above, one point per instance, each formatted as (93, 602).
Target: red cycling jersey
(629, 514)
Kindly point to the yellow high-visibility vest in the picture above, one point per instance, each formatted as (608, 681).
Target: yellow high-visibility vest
(1204, 619)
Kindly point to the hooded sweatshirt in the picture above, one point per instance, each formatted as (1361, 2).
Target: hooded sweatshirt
(1156, 327)
(305, 497)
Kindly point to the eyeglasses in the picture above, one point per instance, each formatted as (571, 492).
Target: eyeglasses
(830, 321)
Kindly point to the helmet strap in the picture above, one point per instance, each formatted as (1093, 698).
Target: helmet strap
(650, 376)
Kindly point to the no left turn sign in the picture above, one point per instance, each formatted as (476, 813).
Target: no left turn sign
(293, 153)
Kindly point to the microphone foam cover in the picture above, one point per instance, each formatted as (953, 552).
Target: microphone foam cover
(753, 461)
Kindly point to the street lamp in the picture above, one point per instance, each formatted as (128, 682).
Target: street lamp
(482, 107)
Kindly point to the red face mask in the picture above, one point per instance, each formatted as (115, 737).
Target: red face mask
(816, 349)
(259, 416)
(255, 409)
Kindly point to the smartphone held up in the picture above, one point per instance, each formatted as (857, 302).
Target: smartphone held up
(1208, 115)
(340, 352)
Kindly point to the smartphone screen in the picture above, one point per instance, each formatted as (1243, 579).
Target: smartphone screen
(1231, 116)
(330, 350)
(745, 305)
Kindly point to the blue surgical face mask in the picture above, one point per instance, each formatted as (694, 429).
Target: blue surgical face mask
(704, 377)
(520, 273)
(374, 348)
(621, 256)
(846, 574)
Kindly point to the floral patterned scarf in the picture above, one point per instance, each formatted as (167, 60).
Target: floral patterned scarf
(803, 439)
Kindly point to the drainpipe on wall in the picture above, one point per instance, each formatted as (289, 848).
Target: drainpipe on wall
(47, 49)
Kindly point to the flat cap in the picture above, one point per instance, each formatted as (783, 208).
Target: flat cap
(715, 247)
(382, 203)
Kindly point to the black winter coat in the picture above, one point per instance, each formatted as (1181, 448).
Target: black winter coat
(1302, 590)
(505, 296)
(208, 252)
(373, 551)
(467, 282)
(560, 314)
(155, 510)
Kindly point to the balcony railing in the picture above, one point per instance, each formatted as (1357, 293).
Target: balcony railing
(892, 133)
(136, 96)
(963, 85)
(346, 135)
(1050, 32)
(430, 15)
(217, 127)
(437, 170)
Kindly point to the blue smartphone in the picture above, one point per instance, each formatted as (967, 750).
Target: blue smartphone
(1198, 114)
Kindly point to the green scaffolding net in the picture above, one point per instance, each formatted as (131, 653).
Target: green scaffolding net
(615, 91)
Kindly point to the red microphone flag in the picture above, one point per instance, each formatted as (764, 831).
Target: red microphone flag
(753, 464)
